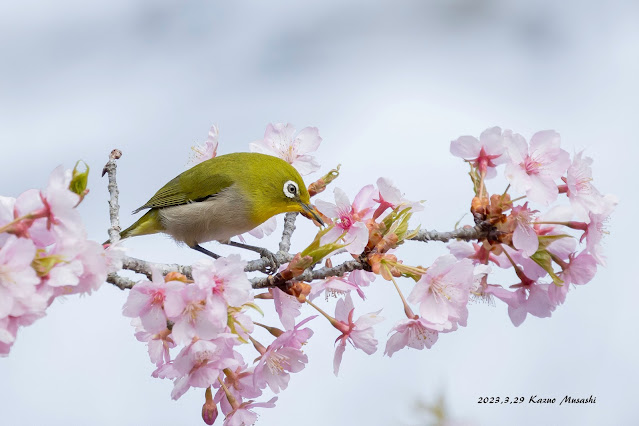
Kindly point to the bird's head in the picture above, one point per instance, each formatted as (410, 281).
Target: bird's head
(282, 190)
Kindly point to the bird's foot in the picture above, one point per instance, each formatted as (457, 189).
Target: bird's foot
(271, 258)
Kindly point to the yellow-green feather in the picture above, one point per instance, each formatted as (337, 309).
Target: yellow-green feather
(147, 224)
(258, 177)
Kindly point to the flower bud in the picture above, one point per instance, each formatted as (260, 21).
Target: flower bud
(209, 409)
(79, 180)
(176, 276)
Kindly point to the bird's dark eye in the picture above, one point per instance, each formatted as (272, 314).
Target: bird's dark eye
(290, 189)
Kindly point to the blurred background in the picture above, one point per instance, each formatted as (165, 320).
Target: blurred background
(389, 84)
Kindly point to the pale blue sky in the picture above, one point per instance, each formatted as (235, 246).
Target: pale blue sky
(388, 85)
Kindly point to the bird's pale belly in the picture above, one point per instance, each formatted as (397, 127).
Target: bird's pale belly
(218, 218)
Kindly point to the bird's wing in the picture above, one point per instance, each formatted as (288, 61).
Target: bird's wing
(189, 187)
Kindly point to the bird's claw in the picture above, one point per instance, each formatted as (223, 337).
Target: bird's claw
(271, 258)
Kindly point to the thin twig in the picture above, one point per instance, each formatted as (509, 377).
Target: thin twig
(289, 228)
(309, 275)
(114, 207)
(120, 282)
(145, 267)
(466, 234)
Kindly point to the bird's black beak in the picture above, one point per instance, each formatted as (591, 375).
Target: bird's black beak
(311, 212)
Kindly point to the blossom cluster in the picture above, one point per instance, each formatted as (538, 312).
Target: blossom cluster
(205, 320)
(45, 253)
(538, 245)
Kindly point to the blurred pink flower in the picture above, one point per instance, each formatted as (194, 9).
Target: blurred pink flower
(18, 279)
(596, 229)
(209, 149)
(583, 195)
(279, 141)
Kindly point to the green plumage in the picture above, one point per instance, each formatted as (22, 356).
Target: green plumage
(222, 197)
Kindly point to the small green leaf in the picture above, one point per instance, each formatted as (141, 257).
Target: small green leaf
(543, 259)
(79, 179)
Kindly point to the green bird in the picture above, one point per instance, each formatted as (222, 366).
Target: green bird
(223, 197)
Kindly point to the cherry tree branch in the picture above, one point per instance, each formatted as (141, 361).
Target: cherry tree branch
(289, 228)
(466, 234)
(480, 231)
(308, 275)
(114, 207)
(120, 282)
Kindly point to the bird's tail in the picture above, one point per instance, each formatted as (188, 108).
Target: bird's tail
(148, 224)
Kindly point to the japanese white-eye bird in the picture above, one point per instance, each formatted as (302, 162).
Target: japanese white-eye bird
(223, 197)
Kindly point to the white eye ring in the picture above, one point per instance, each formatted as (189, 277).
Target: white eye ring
(291, 189)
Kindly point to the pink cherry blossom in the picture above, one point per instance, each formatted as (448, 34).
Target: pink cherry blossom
(473, 251)
(17, 278)
(8, 330)
(415, 333)
(583, 195)
(146, 300)
(224, 278)
(348, 220)
(282, 356)
(534, 169)
(94, 259)
(6, 216)
(390, 197)
(480, 277)
(580, 269)
(596, 229)
(485, 154)
(243, 414)
(337, 286)
(286, 306)
(530, 268)
(195, 314)
(263, 230)
(443, 290)
(279, 140)
(524, 236)
(531, 299)
(56, 205)
(209, 149)
(359, 333)
(158, 344)
(239, 383)
(199, 364)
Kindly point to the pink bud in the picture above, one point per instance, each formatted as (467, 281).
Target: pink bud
(209, 409)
